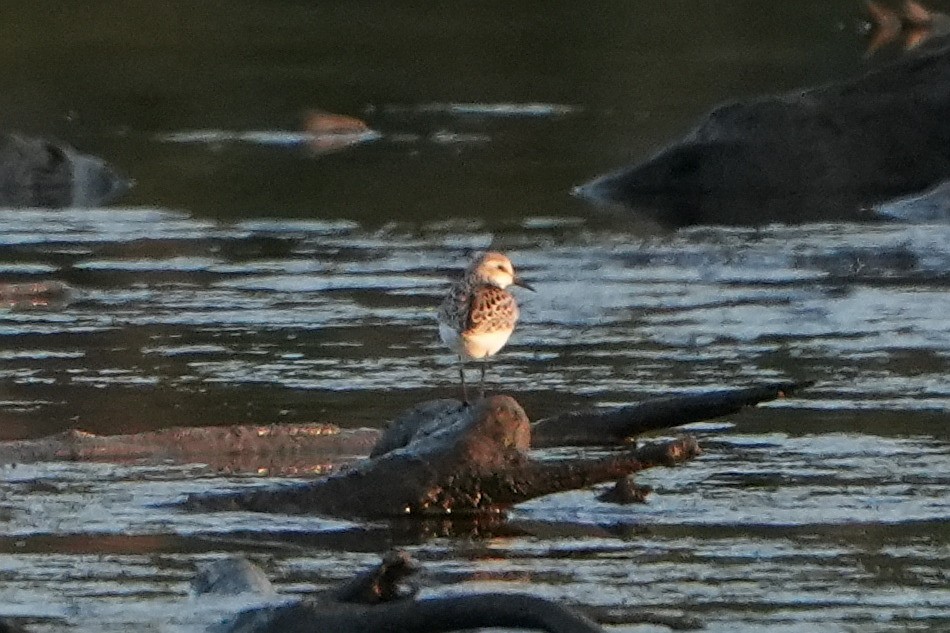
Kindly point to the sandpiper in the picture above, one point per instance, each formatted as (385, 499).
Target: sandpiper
(478, 314)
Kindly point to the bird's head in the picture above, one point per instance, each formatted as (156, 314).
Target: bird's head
(495, 269)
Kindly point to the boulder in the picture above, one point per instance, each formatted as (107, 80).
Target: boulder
(39, 173)
(820, 154)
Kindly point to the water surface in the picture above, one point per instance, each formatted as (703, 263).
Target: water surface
(250, 279)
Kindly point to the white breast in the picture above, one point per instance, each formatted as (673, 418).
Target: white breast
(474, 346)
(480, 346)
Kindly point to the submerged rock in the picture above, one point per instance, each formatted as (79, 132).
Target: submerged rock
(39, 173)
(231, 576)
(825, 153)
(42, 294)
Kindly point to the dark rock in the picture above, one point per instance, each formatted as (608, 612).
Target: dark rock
(820, 154)
(40, 173)
(8, 626)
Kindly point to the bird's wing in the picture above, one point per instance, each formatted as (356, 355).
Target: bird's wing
(490, 309)
(454, 308)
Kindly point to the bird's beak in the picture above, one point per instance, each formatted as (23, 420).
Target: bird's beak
(521, 283)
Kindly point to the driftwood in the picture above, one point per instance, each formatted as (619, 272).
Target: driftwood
(454, 613)
(625, 491)
(439, 458)
(443, 457)
(818, 154)
(601, 428)
(318, 447)
(476, 462)
(279, 447)
(374, 601)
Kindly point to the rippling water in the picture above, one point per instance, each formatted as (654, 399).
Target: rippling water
(257, 278)
(323, 313)
(826, 510)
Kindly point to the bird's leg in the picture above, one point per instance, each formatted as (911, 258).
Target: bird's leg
(481, 383)
(462, 377)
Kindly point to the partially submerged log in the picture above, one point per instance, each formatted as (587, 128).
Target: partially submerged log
(441, 457)
(450, 613)
(376, 600)
(817, 154)
(476, 462)
(287, 448)
(445, 457)
(615, 426)
(373, 601)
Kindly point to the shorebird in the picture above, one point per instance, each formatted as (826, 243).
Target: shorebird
(478, 314)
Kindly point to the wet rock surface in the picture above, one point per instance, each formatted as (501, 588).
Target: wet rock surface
(816, 154)
(39, 173)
